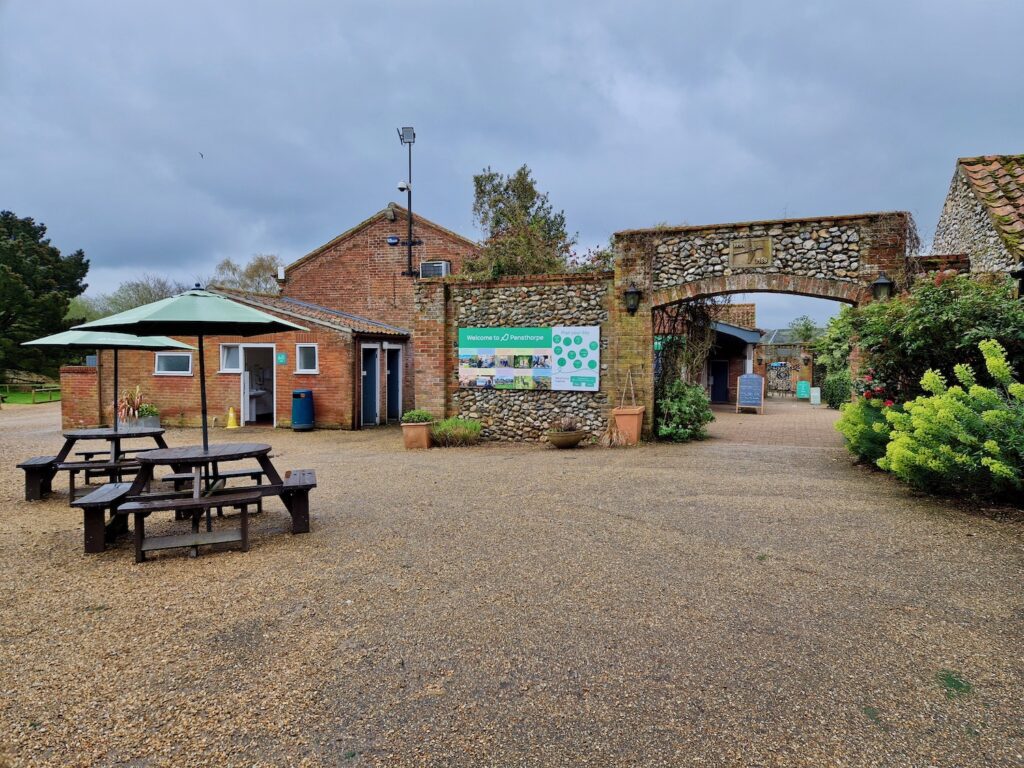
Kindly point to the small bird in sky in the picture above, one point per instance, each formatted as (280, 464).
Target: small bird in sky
(202, 155)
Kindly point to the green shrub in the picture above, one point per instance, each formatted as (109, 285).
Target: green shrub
(418, 416)
(837, 389)
(965, 438)
(454, 432)
(684, 412)
(865, 428)
(148, 409)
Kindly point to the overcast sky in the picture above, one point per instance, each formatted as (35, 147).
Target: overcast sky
(629, 114)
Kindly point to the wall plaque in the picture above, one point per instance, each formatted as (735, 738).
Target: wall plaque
(750, 252)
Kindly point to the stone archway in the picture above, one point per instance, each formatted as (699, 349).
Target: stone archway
(834, 257)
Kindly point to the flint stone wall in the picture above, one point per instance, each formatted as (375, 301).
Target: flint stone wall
(517, 415)
(966, 227)
(823, 249)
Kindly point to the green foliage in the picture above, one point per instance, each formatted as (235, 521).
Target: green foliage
(804, 329)
(941, 321)
(418, 416)
(36, 285)
(832, 347)
(684, 411)
(525, 236)
(865, 428)
(455, 432)
(837, 388)
(965, 438)
(148, 409)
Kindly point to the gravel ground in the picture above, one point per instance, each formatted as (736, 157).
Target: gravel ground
(752, 600)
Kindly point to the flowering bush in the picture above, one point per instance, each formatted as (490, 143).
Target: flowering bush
(963, 438)
(865, 427)
(871, 387)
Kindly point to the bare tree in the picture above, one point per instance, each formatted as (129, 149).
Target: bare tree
(258, 276)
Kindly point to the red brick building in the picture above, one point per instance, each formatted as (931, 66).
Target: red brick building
(356, 357)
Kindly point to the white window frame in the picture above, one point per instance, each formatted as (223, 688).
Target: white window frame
(156, 364)
(307, 371)
(239, 369)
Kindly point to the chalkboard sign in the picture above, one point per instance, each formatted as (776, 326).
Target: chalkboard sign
(751, 392)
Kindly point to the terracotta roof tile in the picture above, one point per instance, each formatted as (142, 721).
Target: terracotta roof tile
(313, 313)
(998, 182)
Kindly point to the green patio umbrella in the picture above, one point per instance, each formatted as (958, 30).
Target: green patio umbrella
(105, 340)
(194, 313)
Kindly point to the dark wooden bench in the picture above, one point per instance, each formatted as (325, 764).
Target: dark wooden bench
(39, 472)
(295, 495)
(90, 455)
(94, 506)
(142, 508)
(114, 470)
(184, 480)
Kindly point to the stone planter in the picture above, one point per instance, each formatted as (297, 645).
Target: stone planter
(629, 420)
(567, 439)
(417, 435)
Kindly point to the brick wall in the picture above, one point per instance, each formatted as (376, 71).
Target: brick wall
(80, 404)
(743, 315)
(178, 397)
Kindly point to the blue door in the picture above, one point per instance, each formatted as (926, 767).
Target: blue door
(719, 372)
(371, 386)
(394, 382)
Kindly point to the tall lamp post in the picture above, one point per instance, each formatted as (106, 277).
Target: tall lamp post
(407, 136)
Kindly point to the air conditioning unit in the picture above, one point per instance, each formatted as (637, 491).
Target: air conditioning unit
(435, 268)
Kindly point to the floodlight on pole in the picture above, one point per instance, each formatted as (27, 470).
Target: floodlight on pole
(407, 136)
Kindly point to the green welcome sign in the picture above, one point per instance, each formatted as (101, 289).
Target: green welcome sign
(560, 358)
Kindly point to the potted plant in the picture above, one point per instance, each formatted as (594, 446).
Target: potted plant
(149, 416)
(629, 419)
(566, 433)
(416, 426)
(128, 405)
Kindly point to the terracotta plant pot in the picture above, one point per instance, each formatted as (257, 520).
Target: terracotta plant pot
(417, 435)
(567, 439)
(629, 420)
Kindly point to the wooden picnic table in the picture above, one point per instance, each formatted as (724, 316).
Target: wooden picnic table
(40, 470)
(293, 491)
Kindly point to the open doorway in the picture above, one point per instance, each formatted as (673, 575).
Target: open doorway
(258, 401)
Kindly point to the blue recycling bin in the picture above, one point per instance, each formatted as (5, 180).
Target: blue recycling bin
(302, 410)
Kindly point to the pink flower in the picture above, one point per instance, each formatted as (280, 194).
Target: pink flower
(868, 395)
(869, 378)
(889, 403)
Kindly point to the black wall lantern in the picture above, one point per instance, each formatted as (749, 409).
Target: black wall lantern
(632, 298)
(881, 289)
(1017, 273)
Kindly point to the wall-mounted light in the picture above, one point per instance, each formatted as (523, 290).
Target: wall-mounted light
(1017, 273)
(881, 289)
(632, 298)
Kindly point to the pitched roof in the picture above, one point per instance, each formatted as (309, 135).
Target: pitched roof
(391, 210)
(313, 313)
(783, 337)
(998, 182)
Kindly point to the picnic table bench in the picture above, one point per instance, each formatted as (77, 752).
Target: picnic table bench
(143, 507)
(94, 506)
(39, 472)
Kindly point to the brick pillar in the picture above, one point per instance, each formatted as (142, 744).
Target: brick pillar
(429, 346)
(79, 397)
(632, 348)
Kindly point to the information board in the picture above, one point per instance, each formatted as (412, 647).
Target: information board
(750, 393)
(803, 390)
(559, 358)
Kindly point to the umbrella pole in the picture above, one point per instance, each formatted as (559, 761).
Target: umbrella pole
(114, 415)
(202, 393)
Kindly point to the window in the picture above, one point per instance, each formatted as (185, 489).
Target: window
(306, 359)
(230, 358)
(173, 364)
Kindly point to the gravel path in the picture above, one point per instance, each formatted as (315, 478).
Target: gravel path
(745, 601)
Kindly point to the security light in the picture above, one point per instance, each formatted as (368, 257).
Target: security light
(407, 135)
